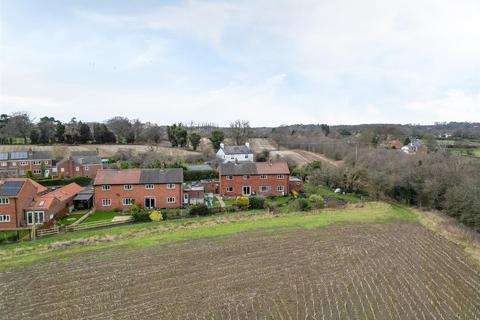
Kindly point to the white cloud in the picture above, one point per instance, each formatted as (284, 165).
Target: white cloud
(455, 106)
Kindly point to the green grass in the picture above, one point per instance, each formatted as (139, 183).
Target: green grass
(71, 218)
(102, 216)
(7, 235)
(151, 234)
(347, 197)
(475, 152)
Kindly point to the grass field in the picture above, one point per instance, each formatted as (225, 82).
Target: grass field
(102, 216)
(71, 218)
(374, 261)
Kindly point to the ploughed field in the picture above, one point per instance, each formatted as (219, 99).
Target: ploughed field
(397, 270)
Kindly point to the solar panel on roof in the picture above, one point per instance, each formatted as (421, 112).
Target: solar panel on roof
(3, 155)
(19, 155)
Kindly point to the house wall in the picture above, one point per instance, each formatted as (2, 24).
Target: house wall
(234, 157)
(14, 168)
(17, 205)
(68, 169)
(211, 186)
(255, 183)
(139, 193)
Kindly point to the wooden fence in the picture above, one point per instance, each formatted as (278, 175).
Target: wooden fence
(83, 226)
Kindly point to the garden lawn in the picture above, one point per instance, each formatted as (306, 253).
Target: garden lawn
(71, 218)
(347, 197)
(102, 216)
(155, 233)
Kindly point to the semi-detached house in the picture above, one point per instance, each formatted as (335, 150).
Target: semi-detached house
(17, 164)
(248, 178)
(148, 188)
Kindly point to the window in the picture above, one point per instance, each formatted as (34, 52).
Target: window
(35, 216)
(106, 202)
(263, 177)
(280, 176)
(14, 163)
(246, 177)
(4, 218)
(4, 201)
(170, 185)
(106, 187)
(264, 189)
(24, 163)
(37, 162)
(280, 188)
(85, 168)
(77, 168)
(3, 164)
(128, 201)
(62, 169)
(149, 186)
(170, 199)
(229, 177)
(127, 187)
(37, 171)
(246, 156)
(229, 189)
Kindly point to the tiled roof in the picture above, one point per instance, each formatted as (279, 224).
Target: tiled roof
(137, 176)
(12, 186)
(63, 194)
(236, 149)
(253, 168)
(199, 167)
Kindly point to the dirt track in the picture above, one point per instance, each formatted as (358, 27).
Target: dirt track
(389, 271)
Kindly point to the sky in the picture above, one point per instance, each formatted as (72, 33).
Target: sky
(272, 62)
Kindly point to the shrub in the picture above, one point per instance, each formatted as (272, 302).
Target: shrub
(141, 216)
(199, 210)
(316, 201)
(82, 181)
(242, 201)
(164, 215)
(257, 202)
(156, 215)
(135, 209)
(302, 204)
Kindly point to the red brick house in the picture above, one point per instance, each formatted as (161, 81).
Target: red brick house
(80, 164)
(51, 206)
(16, 194)
(17, 164)
(254, 178)
(148, 188)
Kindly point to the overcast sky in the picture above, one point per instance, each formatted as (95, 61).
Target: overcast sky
(271, 62)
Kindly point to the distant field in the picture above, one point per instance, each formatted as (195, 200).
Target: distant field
(475, 152)
(374, 262)
(104, 150)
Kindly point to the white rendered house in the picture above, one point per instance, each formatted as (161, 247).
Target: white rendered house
(235, 153)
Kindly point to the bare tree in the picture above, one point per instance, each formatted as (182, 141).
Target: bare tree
(19, 125)
(122, 127)
(240, 131)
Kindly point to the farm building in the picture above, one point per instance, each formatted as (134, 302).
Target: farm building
(16, 194)
(17, 164)
(148, 188)
(235, 153)
(80, 164)
(254, 178)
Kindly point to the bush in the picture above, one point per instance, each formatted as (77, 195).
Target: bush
(257, 202)
(134, 209)
(156, 215)
(316, 201)
(81, 181)
(242, 202)
(199, 175)
(141, 216)
(199, 210)
(302, 204)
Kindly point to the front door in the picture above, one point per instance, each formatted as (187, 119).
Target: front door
(150, 203)
(246, 190)
(185, 198)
